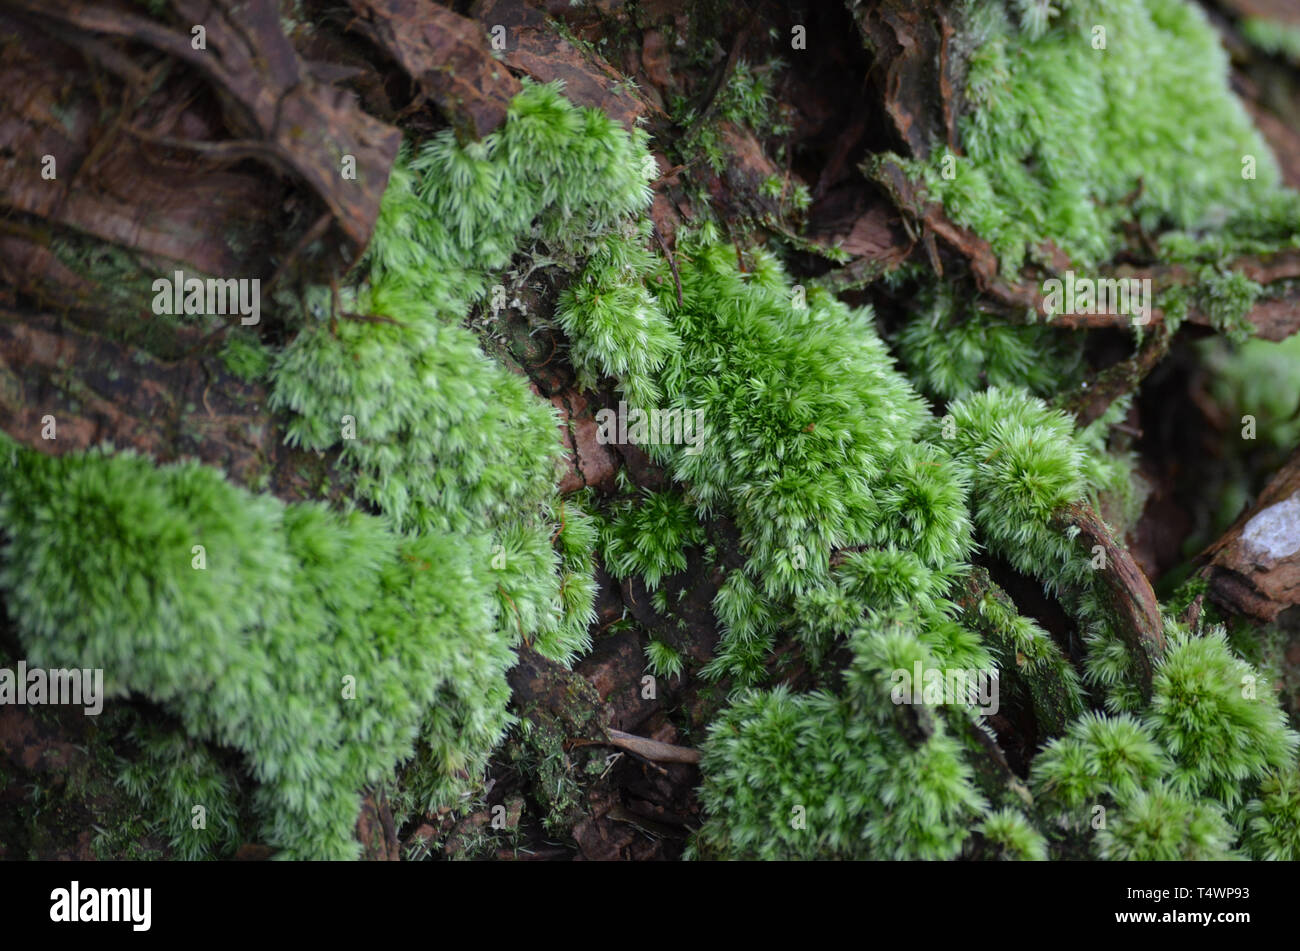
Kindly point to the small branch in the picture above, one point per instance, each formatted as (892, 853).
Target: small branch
(653, 750)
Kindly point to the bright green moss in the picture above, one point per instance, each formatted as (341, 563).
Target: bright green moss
(911, 497)
(1272, 36)
(1014, 836)
(663, 660)
(615, 326)
(1063, 141)
(806, 777)
(1163, 793)
(438, 435)
(454, 214)
(802, 407)
(816, 443)
(543, 572)
(576, 539)
(1260, 379)
(649, 538)
(1161, 826)
(320, 644)
(1099, 756)
(1218, 719)
(858, 510)
(1273, 820)
(1024, 466)
(952, 352)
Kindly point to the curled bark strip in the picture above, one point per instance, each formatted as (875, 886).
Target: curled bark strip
(929, 215)
(1254, 569)
(1275, 318)
(535, 47)
(449, 56)
(1119, 380)
(1131, 602)
(1046, 691)
(109, 184)
(910, 42)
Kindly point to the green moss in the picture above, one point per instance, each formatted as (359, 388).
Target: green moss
(453, 214)
(1260, 379)
(246, 356)
(802, 777)
(663, 659)
(193, 796)
(321, 645)
(951, 351)
(1218, 718)
(1014, 836)
(649, 537)
(793, 398)
(435, 433)
(1273, 820)
(1159, 825)
(1272, 36)
(745, 100)
(1226, 298)
(1064, 141)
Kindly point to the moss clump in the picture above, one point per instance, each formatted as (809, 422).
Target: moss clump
(194, 797)
(1159, 825)
(1272, 821)
(245, 356)
(1014, 836)
(649, 537)
(615, 325)
(437, 435)
(1173, 775)
(1218, 718)
(785, 393)
(543, 569)
(420, 610)
(663, 660)
(807, 776)
(319, 644)
(454, 214)
(1065, 140)
(951, 351)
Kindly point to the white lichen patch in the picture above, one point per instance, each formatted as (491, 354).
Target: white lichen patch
(1275, 532)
